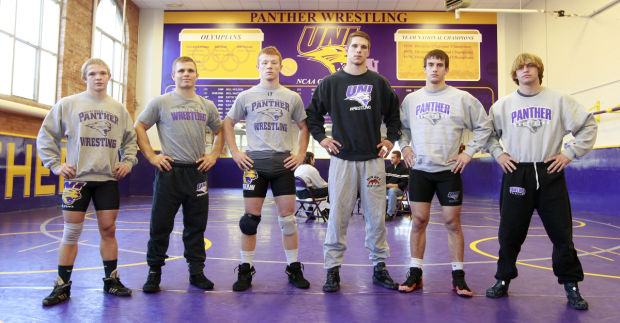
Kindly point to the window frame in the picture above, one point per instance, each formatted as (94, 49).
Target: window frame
(38, 48)
(121, 80)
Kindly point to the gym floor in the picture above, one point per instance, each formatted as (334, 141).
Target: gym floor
(29, 242)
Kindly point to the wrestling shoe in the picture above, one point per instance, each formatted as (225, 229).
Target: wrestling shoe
(112, 285)
(459, 285)
(60, 293)
(152, 282)
(381, 277)
(413, 282)
(574, 297)
(499, 289)
(199, 280)
(296, 276)
(244, 277)
(332, 283)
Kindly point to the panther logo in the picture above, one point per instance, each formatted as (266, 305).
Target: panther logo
(362, 98)
(532, 124)
(273, 113)
(432, 117)
(333, 56)
(249, 176)
(201, 189)
(72, 192)
(102, 126)
(454, 196)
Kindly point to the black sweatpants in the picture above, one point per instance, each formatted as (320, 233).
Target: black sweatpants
(182, 185)
(519, 197)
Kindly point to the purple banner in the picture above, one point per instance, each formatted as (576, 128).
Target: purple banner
(312, 51)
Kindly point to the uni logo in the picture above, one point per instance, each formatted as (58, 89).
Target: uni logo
(72, 192)
(326, 45)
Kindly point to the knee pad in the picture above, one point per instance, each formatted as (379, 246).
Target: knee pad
(249, 224)
(71, 232)
(287, 224)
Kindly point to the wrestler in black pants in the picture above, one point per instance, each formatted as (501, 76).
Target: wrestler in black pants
(519, 197)
(182, 185)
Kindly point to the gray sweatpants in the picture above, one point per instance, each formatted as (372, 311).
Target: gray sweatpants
(345, 179)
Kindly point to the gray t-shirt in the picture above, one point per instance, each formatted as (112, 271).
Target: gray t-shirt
(182, 124)
(268, 115)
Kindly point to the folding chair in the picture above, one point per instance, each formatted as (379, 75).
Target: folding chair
(305, 204)
(403, 203)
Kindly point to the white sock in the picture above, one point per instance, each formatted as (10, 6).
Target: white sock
(291, 255)
(247, 257)
(416, 262)
(457, 265)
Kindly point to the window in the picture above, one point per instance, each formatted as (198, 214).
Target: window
(110, 45)
(29, 32)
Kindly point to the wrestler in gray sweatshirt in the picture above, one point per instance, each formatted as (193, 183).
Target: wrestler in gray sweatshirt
(433, 124)
(532, 127)
(96, 130)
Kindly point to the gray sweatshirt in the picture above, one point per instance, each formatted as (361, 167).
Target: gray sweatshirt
(532, 128)
(433, 124)
(96, 130)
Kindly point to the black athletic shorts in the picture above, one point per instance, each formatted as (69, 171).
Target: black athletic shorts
(447, 185)
(76, 195)
(266, 171)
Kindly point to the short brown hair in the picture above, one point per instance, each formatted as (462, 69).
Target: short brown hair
(397, 153)
(93, 61)
(523, 59)
(309, 157)
(358, 33)
(270, 50)
(183, 59)
(440, 54)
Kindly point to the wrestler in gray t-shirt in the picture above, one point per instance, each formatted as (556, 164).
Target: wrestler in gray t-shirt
(182, 124)
(268, 116)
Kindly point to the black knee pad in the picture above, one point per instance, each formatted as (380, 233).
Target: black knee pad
(249, 224)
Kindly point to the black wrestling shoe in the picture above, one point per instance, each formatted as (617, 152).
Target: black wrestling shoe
(332, 283)
(413, 282)
(60, 293)
(296, 276)
(459, 286)
(112, 285)
(498, 290)
(152, 282)
(244, 277)
(199, 280)
(381, 277)
(574, 297)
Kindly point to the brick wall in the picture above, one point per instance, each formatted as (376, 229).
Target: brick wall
(75, 48)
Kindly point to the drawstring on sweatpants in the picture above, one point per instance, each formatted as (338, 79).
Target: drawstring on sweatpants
(536, 174)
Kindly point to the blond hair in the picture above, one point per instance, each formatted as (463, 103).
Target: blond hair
(524, 59)
(93, 61)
